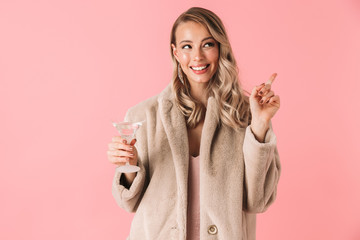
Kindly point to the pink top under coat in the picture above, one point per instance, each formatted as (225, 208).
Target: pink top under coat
(193, 211)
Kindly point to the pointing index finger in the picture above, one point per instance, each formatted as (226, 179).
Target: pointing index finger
(271, 79)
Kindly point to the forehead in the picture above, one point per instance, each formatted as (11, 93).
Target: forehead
(192, 31)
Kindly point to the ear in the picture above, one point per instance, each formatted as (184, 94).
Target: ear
(175, 52)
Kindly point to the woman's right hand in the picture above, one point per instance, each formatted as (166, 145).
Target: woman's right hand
(120, 152)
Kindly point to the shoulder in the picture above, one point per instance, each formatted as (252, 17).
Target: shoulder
(138, 112)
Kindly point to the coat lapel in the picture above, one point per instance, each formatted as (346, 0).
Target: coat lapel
(176, 132)
(210, 126)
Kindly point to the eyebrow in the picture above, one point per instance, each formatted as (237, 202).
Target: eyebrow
(201, 40)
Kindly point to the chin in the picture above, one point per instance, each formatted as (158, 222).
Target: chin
(201, 80)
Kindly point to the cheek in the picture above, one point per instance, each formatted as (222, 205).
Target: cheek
(184, 57)
(213, 56)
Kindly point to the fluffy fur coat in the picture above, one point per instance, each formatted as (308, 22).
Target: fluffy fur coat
(238, 175)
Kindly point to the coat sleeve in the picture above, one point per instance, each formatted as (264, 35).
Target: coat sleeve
(262, 171)
(129, 197)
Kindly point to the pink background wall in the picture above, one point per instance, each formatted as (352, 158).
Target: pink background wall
(68, 67)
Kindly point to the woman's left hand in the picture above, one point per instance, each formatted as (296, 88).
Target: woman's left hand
(263, 102)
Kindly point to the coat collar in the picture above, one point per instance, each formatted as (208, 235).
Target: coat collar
(175, 125)
(166, 101)
(176, 132)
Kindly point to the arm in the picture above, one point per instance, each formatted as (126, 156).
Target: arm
(128, 197)
(262, 169)
(128, 188)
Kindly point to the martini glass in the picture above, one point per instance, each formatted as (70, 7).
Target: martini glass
(127, 131)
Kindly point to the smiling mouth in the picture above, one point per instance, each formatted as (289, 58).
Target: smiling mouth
(200, 68)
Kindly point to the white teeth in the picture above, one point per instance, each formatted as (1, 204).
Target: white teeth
(199, 68)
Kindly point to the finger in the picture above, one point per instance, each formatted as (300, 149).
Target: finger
(271, 79)
(275, 100)
(260, 86)
(120, 164)
(267, 86)
(264, 90)
(117, 160)
(118, 139)
(120, 153)
(121, 146)
(254, 92)
(132, 143)
(266, 97)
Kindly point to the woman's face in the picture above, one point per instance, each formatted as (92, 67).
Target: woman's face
(196, 51)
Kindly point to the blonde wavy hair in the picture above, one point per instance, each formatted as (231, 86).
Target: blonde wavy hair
(224, 85)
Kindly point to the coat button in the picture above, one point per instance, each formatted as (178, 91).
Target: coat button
(212, 230)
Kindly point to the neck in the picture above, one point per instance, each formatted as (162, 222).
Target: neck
(198, 91)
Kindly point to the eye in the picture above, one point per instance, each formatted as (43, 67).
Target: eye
(210, 44)
(186, 46)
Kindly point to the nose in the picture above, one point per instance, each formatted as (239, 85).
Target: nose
(198, 54)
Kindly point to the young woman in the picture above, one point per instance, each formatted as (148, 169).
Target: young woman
(207, 152)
